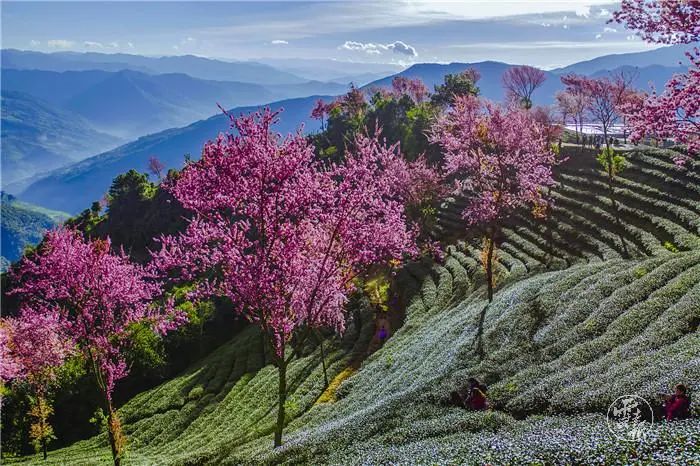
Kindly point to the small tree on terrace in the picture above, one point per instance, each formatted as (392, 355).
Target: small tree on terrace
(500, 161)
(521, 82)
(96, 297)
(676, 112)
(282, 234)
(572, 104)
(34, 347)
(605, 99)
(156, 167)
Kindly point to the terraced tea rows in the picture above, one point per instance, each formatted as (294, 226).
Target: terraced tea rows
(558, 343)
(613, 311)
(654, 209)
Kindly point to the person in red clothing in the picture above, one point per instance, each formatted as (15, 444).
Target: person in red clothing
(476, 400)
(677, 406)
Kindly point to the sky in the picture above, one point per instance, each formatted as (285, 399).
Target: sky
(542, 33)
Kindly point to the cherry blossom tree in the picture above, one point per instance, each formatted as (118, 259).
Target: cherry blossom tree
(282, 234)
(662, 21)
(156, 167)
(674, 114)
(605, 98)
(10, 368)
(413, 88)
(521, 82)
(36, 344)
(95, 296)
(546, 117)
(572, 104)
(500, 160)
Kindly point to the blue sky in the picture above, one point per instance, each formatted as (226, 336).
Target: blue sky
(541, 33)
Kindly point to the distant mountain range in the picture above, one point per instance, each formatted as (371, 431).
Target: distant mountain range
(671, 56)
(129, 104)
(491, 84)
(38, 137)
(74, 187)
(197, 67)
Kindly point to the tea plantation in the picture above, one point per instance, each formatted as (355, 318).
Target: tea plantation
(601, 300)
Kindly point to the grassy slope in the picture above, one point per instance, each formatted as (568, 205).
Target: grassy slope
(615, 313)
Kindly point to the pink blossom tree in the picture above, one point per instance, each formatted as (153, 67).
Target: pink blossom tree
(415, 89)
(605, 98)
(156, 167)
(282, 234)
(674, 114)
(95, 296)
(662, 21)
(572, 105)
(500, 160)
(36, 345)
(521, 82)
(10, 368)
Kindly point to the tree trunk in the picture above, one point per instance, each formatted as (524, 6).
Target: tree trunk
(44, 447)
(489, 263)
(323, 360)
(282, 372)
(113, 431)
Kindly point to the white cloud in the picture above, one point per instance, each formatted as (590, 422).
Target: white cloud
(604, 13)
(631, 37)
(114, 45)
(176, 47)
(130, 45)
(546, 25)
(34, 43)
(607, 29)
(279, 42)
(566, 26)
(403, 48)
(93, 45)
(60, 44)
(598, 36)
(376, 49)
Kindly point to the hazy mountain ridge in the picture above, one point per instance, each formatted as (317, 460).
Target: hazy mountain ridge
(72, 188)
(130, 103)
(670, 56)
(197, 67)
(75, 186)
(38, 137)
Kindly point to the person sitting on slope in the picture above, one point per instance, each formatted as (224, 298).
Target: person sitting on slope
(476, 400)
(677, 406)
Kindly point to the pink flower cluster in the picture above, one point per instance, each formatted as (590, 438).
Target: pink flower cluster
(413, 88)
(78, 294)
(33, 345)
(675, 114)
(498, 156)
(662, 21)
(282, 234)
